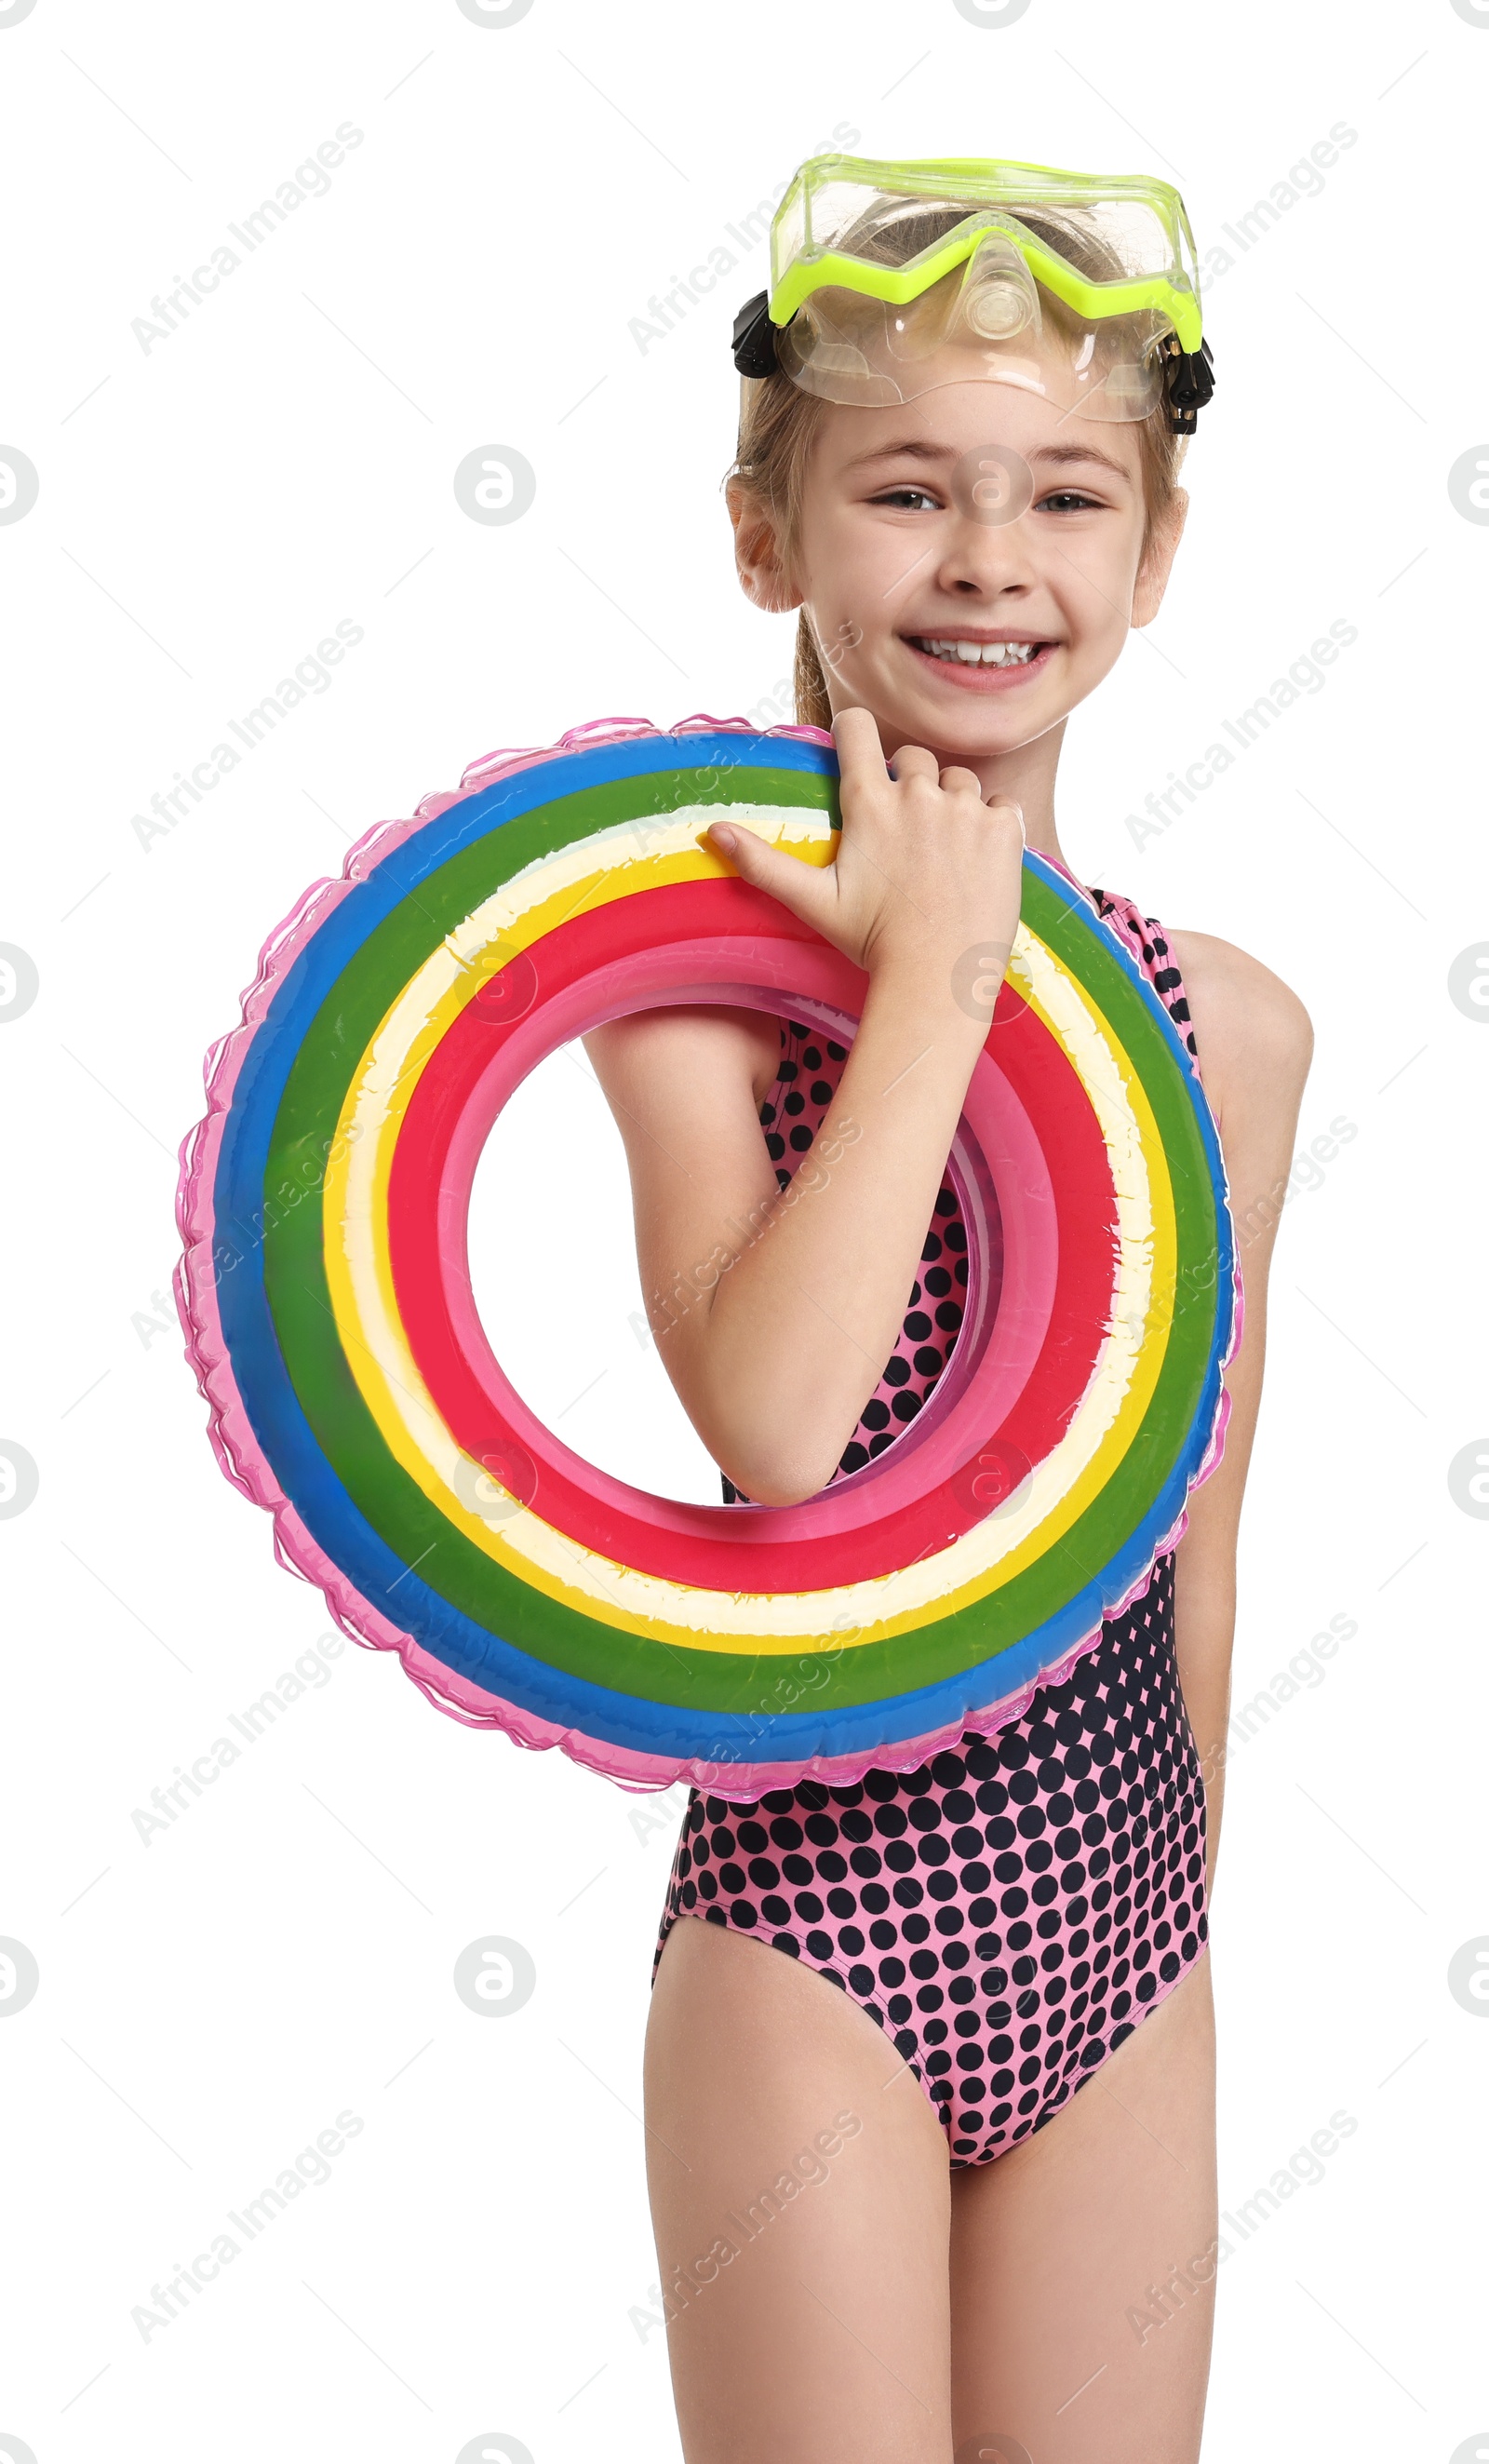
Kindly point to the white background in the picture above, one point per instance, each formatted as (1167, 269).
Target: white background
(209, 510)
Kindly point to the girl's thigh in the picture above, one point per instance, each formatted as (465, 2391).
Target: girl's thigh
(1076, 2338)
(800, 2198)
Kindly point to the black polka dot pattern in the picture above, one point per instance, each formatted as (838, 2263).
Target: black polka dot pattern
(1146, 939)
(1008, 1912)
(806, 1088)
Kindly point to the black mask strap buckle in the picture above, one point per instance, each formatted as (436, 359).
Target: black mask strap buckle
(1189, 382)
(754, 339)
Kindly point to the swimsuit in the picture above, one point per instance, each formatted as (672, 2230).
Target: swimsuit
(1009, 1912)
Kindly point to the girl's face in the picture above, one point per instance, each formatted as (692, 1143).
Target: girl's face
(974, 518)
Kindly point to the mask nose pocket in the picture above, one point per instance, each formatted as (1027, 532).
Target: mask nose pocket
(998, 301)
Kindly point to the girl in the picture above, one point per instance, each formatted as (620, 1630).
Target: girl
(964, 2203)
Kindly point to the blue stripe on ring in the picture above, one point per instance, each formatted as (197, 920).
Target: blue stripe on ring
(338, 1525)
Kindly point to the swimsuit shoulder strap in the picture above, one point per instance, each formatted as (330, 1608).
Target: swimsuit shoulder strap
(1148, 943)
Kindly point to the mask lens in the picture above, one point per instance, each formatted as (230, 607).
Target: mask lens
(834, 347)
(987, 317)
(1134, 386)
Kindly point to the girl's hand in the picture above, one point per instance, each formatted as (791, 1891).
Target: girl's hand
(924, 870)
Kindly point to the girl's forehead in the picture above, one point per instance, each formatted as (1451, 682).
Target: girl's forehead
(950, 419)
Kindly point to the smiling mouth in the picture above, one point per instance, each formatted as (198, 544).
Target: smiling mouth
(966, 660)
(972, 655)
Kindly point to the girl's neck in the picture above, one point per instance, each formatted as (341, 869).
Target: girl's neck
(1027, 774)
(1039, 817)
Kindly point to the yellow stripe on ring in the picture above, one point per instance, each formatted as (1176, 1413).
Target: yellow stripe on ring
(597, 871)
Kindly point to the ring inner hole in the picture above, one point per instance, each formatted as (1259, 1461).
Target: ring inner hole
(556, 1283)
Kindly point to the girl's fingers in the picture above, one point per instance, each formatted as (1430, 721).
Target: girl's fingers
(861, 761)
(914, 762)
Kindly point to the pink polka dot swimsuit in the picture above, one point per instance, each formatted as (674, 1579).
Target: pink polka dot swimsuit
(1008, 1913)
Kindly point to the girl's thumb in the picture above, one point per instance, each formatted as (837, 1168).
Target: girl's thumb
(803, 888)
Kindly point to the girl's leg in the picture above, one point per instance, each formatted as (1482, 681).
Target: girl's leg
(1083, 2262)
(800, 2197)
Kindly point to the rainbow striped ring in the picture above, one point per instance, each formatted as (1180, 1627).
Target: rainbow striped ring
(329, 1318)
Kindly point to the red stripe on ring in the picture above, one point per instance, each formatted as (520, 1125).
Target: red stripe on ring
(695, 1545)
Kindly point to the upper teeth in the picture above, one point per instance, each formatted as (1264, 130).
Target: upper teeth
(988, 655)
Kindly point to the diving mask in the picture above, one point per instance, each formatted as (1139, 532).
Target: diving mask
(889, 278)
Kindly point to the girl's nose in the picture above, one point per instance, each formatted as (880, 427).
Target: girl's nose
(987, 557)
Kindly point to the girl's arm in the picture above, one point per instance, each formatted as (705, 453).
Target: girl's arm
(1254, 1040)
(776, 1310)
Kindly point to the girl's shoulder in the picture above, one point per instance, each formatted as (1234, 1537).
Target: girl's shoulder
(1242, 1019)
(1240, 995)
(1254, 1034)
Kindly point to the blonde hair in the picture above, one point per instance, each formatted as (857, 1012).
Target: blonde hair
(778, 427)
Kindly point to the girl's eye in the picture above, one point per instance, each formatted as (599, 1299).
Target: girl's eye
(1065, 501)
(903, 497)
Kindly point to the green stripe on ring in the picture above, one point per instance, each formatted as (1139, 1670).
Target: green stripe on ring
(569, 1640)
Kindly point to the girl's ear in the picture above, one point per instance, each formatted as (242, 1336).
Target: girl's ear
(1152, 574)
(757, 561)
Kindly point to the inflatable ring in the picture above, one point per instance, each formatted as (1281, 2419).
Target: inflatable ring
(353, 1393)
